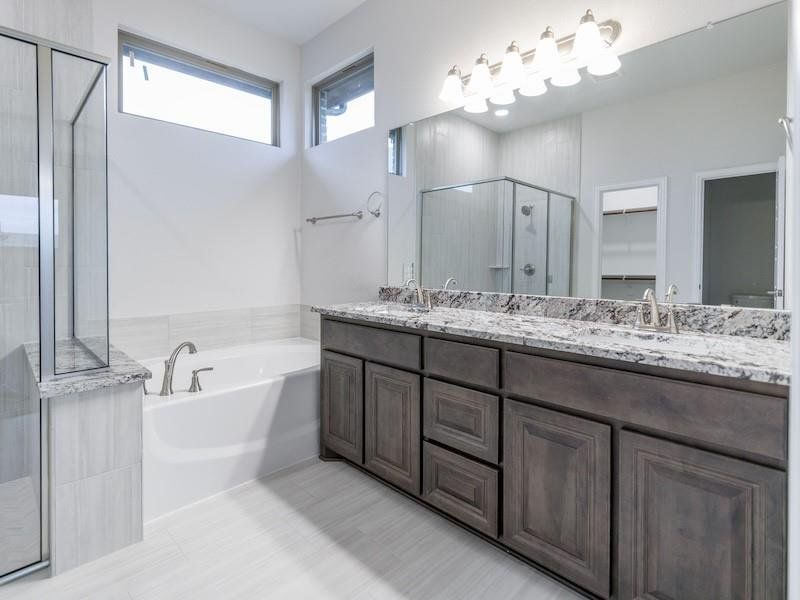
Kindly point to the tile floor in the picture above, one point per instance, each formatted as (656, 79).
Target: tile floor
(321, 530)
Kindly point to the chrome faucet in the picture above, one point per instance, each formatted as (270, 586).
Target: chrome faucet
(654, 324)
(449, 281)
(420, 304)
(169, 367)
(420, 294)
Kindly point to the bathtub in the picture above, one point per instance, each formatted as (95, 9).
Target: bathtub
(257, 413)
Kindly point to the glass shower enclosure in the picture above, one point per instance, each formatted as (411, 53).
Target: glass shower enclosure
(53, 264)
(497, 235)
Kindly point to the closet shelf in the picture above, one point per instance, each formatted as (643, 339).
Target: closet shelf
(625, 211)
(630, 277)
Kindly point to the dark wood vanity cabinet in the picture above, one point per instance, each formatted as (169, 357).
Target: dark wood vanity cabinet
(695, 525)
(629, 483)
(341, 411)
(557, 492)
(391, 425)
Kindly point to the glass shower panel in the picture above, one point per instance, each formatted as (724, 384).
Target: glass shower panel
(20, 418)
(81, 261)
(529, 272)
(559, 245)
(465, 234)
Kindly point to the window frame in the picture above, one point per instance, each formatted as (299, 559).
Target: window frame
(363, 63)
(126, 38)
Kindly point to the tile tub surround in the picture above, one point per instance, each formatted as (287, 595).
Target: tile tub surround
(717, 320)
(767, 361)
(149, 337)
(123, 369)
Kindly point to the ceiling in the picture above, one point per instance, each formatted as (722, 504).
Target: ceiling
(748, 41)
(295, 20)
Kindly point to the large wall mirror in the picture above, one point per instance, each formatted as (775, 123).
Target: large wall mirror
(670, 171)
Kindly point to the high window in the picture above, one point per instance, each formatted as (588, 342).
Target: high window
(345, 102)
(167, 84)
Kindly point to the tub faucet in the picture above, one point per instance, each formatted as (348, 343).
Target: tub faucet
(169, 367)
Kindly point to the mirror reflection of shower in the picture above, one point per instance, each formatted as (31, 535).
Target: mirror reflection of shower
(502, 234)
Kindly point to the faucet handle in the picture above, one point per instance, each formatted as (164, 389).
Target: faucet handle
(195, 386)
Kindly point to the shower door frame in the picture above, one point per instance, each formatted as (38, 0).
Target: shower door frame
(46, 234)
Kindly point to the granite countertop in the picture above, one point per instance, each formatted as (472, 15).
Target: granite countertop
(767, 361)
(123, 369)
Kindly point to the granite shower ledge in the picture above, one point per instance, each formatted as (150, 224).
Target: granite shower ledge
(766, 361)
(123, 369)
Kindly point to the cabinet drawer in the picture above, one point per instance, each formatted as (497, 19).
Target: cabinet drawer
(380, 345)
(753, 424)
(463, 419)
(463, 362)
(460, 487)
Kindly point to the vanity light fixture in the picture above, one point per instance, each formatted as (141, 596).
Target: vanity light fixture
(480, 81)
(588, 41)
(501, 112)
(453, 88)
(558, 60)
(503, 95)
(476, 104)
(605, 62)
(565, 76)
(547, 59)
(512, 73)
(534, 85)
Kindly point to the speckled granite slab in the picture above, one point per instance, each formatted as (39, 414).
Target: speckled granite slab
(123, 369)
(718, 320)
(724, 355)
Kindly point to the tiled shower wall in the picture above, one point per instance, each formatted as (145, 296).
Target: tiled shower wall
(149, 337)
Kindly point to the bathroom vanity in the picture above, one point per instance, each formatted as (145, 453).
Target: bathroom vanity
(629, 465)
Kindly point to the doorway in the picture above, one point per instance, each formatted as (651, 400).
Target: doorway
(741, 230)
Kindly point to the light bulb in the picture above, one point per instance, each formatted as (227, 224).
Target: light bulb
(512, 72)
(476, 104)
(565, 76)
(503, 95)
(588, 41)
(534, 86)
(501, 112)
(605, 62)
(480, 81)
(546, 60)
(453, 89)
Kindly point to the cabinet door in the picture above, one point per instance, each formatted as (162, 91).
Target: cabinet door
(391, 426)
(695, 525)
(557, 493)
(342, 405)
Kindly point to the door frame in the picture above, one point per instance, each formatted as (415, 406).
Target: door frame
(698, 210)
(662, 184)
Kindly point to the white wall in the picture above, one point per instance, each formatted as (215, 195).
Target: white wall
(415, 42)
(198, 221)
(676, 135)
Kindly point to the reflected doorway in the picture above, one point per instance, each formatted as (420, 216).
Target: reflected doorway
(742, 246)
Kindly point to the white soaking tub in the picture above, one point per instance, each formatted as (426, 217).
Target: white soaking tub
(257, 413)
